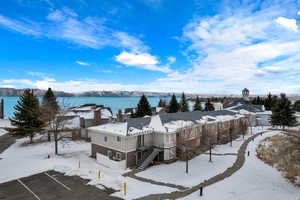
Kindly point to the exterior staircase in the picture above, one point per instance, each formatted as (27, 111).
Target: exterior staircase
(149, 159)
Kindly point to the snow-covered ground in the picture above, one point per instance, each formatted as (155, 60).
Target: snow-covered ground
(21, 160)
(227, 148)
(4, 123)
(200, 168)
(255, 180)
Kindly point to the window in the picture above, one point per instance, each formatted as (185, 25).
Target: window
(118, 138)
(118, 156)
(109, 153)
(105, 139)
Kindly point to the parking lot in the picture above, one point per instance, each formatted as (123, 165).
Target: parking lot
(52, 185)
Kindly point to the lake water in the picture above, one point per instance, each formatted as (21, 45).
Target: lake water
(115, 103)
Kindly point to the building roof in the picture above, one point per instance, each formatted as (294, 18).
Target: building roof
(86, 111)
(168, 122)
(192, 116)
(235, 103)
(250, 108)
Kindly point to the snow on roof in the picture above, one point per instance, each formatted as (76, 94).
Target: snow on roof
(158, 109)
(88, 112)
(175, 125)
(83, 114)
(115, 128)
(164, 123)
(84, 108)
(157, 124)
(72, 123)
(105, 113)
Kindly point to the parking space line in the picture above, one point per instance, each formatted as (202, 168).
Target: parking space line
(57, 181)
(28, 189)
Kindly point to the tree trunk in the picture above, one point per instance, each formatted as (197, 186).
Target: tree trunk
(49, 137)
(31, 138)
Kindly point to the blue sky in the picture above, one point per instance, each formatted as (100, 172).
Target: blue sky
(198, 46)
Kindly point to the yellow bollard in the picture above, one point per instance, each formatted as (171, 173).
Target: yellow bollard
(125, 189)
(78, 164)
(99, 175)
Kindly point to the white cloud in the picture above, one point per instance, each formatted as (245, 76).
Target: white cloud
(141, 60)
(240, 48)
(273, 69)
(133, 59)
(66, 25)
(56, 16)
(106, 71)
(82, 63)
(38, 74)
(24, 28)
(290, 24)
(171, 59)
(129, 42)
(18, 81)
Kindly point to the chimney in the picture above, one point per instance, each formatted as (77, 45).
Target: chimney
(97, 115)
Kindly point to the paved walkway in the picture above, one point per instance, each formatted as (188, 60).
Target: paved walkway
(228, 172)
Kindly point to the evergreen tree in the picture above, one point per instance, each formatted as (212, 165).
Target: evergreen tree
(197, 105)
(49, 101)
(132, 114)
(268, 102)
(283, 114)
(184, 107)
(296, 106)
(173, 105)
(161, 103)
(143, 107)
(209, 106)
(26, 119)
(49, 108)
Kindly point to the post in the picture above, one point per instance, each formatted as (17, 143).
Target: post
(186, 162)
(99, 175)
(78, 164)
(125, 189)
(210, 152)
(248, 153)
(201, 191)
